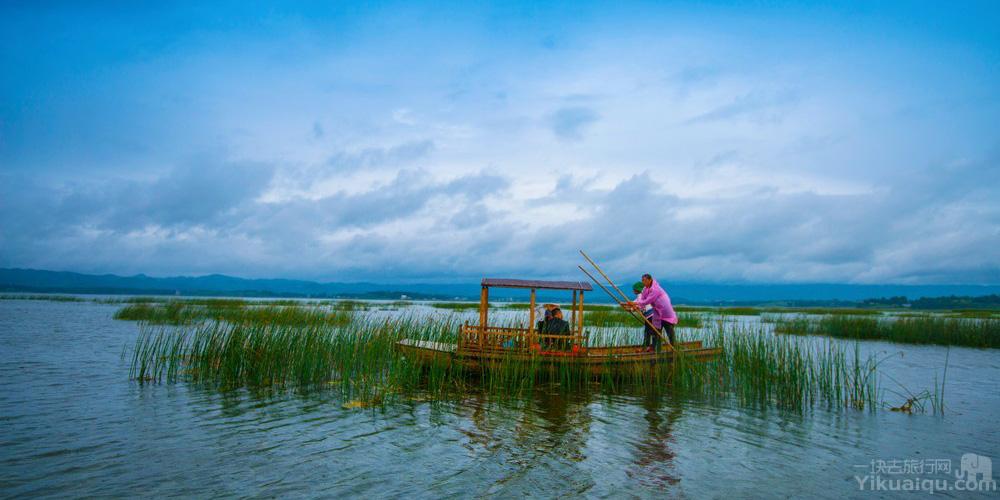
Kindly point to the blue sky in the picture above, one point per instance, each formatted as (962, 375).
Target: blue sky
(763, 142)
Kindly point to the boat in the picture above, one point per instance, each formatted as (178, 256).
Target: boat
(483, 346)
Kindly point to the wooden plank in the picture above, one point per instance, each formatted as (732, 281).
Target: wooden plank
(548, 285)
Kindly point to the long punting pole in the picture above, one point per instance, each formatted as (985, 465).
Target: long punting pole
(612, 283)
(620, 303)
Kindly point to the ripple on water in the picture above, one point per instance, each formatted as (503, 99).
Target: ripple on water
(74, 425)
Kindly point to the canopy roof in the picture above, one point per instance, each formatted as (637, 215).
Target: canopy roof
(550, 285)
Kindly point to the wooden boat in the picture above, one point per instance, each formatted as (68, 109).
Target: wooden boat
(484, 346)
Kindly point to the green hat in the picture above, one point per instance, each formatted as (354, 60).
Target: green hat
(638, 286)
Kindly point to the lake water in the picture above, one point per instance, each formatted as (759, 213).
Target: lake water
(74, 425)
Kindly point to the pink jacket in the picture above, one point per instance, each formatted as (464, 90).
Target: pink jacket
(662, 310)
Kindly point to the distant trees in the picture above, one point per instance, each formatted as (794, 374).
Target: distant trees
(949, 302)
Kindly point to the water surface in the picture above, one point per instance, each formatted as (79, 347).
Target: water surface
(74, 425)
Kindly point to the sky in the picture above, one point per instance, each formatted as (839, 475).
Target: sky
(710, 142)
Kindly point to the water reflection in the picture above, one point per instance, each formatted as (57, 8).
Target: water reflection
(557, 422)
(653, 464)
(74, 425)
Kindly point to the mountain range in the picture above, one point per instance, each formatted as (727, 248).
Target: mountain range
(33, 280)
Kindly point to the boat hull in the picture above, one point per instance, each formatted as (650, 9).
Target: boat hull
(596, 361)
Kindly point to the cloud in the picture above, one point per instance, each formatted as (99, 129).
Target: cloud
(380, 157)
(210, 217)
(761, 107)
(569, 123)
(358, 145)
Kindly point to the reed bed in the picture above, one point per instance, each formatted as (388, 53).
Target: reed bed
(358, 358)
(50, 298)
(907, 330)
(976, 313)
(619, 317)
(456, 306)
(183, 313)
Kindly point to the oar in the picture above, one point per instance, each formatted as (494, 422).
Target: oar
(612, 283)
(635, 315)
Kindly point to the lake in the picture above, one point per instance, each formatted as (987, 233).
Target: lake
(75, 425)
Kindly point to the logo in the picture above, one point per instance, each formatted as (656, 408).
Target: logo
(975, 469)
(930, 475)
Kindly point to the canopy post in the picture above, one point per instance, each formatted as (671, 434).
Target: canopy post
(572, 313)
(579, 317)
(484, 307)
(531, 318)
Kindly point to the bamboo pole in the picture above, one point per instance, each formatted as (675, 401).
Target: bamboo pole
(610, 282)
(640, 316)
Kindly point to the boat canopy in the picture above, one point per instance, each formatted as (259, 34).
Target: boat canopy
(548, 285)
(483, 336)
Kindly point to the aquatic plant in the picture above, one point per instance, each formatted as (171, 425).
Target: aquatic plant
(456, 306)
(180, 313)
(358, 357)
(50, 298)
(909, 330)
(976, 313)
(619, 317)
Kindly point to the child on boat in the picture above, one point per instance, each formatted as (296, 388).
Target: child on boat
(648, 334)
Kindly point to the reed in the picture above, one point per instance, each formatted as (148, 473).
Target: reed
(182, 313)
(619, 317)
(456, 306)
(908, 330)
(358, 357)
(976, 313)
(50, 298)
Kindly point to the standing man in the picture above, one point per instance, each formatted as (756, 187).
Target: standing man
(664, 318)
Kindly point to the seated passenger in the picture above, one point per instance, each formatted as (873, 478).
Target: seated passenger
(557, 326)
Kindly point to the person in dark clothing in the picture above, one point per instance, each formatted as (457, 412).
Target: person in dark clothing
(540, 325)
(556, 325)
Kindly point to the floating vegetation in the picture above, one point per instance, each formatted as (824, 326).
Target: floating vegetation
(739, 311)
(908, 330)
(456, 306)
(359, 358)
(619, 317)
(182, 313)
(348, 305)
(840, 311)
(976, 313)
(50, 298)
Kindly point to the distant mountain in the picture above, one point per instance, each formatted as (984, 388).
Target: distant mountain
(31, 280)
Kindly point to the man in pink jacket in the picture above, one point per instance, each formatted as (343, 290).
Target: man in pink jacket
(664, 318)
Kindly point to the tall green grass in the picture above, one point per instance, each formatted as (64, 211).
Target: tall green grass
(908, 330)
(50, 298)
(456, 306)
(620, 317)
(181, 313)
(359, 358)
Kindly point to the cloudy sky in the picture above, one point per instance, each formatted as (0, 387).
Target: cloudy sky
(760, 143)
